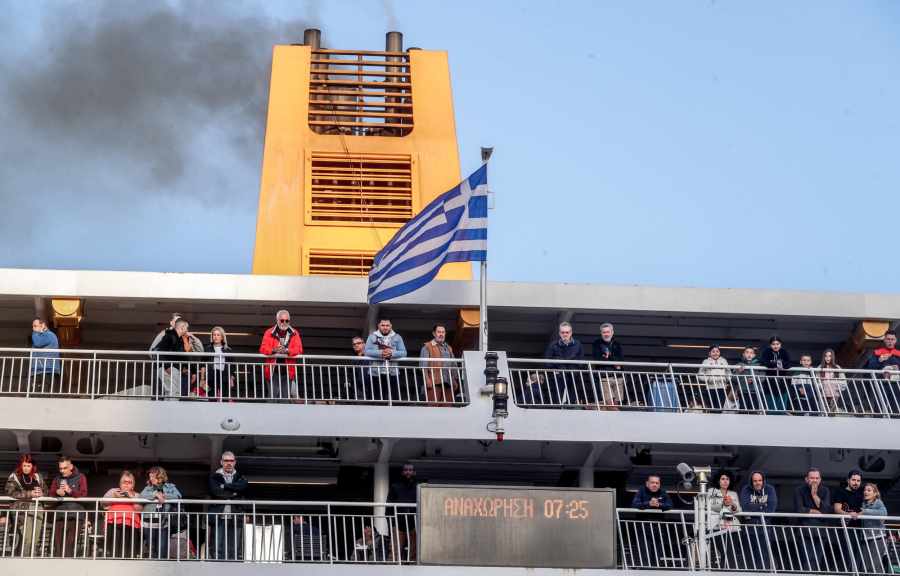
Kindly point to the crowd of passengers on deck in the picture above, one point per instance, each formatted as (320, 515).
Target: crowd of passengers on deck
(146, 522)
(856, 542)
(773, 382)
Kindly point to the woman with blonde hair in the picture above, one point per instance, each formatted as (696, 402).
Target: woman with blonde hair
(832, 382)
(218, 374)
(123, 520)
(873, 535)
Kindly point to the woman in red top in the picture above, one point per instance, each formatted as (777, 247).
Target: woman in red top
(123, 520)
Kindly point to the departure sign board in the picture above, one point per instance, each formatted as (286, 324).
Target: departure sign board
(530, 527)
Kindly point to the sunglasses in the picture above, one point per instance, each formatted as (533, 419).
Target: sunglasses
(227, 461)
(284, 321)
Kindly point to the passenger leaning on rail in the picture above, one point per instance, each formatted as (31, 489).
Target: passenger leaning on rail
(775, 385)
(848, 501)
(123, 520)
(25, 484)
(158, 516)
(651, 534)
(803, 388)
(872, 538)
(70, 483)
(45, 366)
(404, 492)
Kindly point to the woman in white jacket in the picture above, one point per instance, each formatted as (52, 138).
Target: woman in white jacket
(715, 374)
(724, 506)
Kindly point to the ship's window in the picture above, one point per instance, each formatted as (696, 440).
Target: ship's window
(51, 444)
(85, 446)
(360, 189)
(360, 93)
(323, 262)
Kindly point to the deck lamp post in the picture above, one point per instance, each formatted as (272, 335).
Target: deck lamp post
(498, 388)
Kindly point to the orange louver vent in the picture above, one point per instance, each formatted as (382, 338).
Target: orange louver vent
(360, 188)
(339, 263)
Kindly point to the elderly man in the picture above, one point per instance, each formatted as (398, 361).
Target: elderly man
(441, 385)
(43, 371)
(607, 349)
(386, 346)
(566, 348)
(282, 343)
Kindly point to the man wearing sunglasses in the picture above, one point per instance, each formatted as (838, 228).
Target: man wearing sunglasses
(283, 343)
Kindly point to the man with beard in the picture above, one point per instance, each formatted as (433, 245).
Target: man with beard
(757, 496)
(386, 346)
(848, 502)
(812, 498)
(225, 520)
(404, 492)
(440, 385)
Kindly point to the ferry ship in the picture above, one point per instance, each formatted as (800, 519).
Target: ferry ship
(357, 143)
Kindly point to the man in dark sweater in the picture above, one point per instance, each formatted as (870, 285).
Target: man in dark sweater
(848, 502)
(404, 492)
(650, 532)
(814, 499)
(566, 348)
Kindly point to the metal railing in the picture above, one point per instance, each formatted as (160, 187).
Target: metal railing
(756, 542)
(232, 377)
(265, 532)
(658, 387)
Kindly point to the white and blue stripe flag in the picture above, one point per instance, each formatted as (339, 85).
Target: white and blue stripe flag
(453, 228)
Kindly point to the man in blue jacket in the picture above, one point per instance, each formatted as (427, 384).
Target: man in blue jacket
(650, 530)
(226, 519)
(757, 496)
(566, 348)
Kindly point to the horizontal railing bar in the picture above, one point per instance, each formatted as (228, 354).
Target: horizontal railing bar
(216, 501)
(365, 124)
(36, 351)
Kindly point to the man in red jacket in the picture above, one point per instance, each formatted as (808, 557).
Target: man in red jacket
(283, 343)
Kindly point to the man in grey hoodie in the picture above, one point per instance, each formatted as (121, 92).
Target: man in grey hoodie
(757, 496)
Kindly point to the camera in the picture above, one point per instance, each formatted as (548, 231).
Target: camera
(230, 424)
(687, 474)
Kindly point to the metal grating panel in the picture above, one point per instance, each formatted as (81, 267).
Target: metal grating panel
(323, 262)
(360, 93)
(360, 188)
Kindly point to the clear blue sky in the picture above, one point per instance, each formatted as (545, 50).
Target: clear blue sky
(710, 143)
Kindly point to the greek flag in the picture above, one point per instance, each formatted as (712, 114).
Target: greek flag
(453, 228)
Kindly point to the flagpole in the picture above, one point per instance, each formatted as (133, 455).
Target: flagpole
(482, 308)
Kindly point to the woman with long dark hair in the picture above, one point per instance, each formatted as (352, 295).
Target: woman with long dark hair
(723, 524)
(25, 484)
(775, 383)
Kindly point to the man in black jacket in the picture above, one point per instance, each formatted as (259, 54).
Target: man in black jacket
(177, 373)
(404, 492)
(225, 519)
(606, 349)
(814, 499)
(651, 530)
(566, 348)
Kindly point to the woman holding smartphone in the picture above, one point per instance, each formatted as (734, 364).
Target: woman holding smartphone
(25, 484)
(123, 520)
